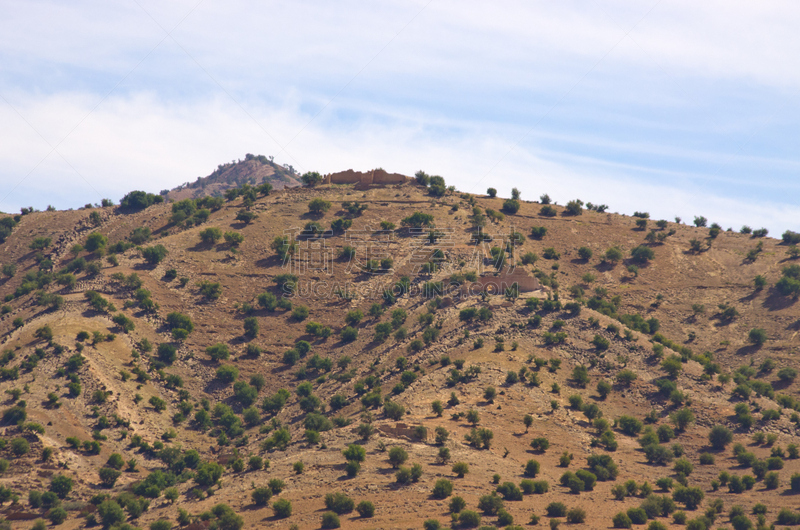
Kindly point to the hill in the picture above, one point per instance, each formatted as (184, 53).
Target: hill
(218, 363)
(253, 170)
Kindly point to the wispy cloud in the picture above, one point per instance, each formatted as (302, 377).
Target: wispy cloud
(694, 111)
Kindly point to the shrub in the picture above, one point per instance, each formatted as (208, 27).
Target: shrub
(339, 503)
(757, 336)
(719, 437)
(61, 485)
(251, 327)
(460, 469)
(540, 444)
(154, 255)
(538, 232)
(397, 456)
(210, 235)
(418, 220)
(642, 254)
(601, 343)
(771, 480)
(469, 519)
(108, 476)
(348, 334)
(330, 520)
(706, 459)
(510, 491)
(637, 515)
(20, 446)
(457, 504)
(621, 520)
(318, 206)
(300, 313)
(629, 425)
(490, 504)
(227, 374)
(556, 509)
(218, 352)
(574, 207)
(682, 418)
(442, 489)
(690, 497)
(365, 509)
(58, 515)
(393, 410)
(794, 482)
(581, 376)
(511, 206)
(531, 468)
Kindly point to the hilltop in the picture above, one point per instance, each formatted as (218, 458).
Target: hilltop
(230, 362)
(253, 170)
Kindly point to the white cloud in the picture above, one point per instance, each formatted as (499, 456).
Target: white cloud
(668, 114)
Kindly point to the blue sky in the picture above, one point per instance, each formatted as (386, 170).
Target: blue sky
(664, 106)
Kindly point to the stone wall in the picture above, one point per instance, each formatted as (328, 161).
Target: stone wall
(376, 176)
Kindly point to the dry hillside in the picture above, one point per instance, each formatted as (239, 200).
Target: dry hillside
(229, 392)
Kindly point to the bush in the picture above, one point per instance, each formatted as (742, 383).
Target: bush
(531, 468)
(719, 437)
(460, 469)
(585, 253)
(330, 520)
(61, 485)
(58, 515)
(108, 476)
(469, 519)
(348, 334)
(510, 491)
(629, 425)
(690, 497)
(621, 520)
(110, 513)
(540, 444)
(397, 456)
(154, 255)
(457, 504)
(365, 509)
(251, 327)
(706, 459)
(318, 206)
(300, 313)
(218, 352)
(20, 446)
(794, 482)
(490, 504)
(393, 410)
(556, 509)
(637, 515)
(771, 480)
(757, 336)
(282, 508)
(601, 343)
(227, 374)
(339, 503)
(511, 206)
(574, 207)
(210, 235)
(642, 254)
(442, 489)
